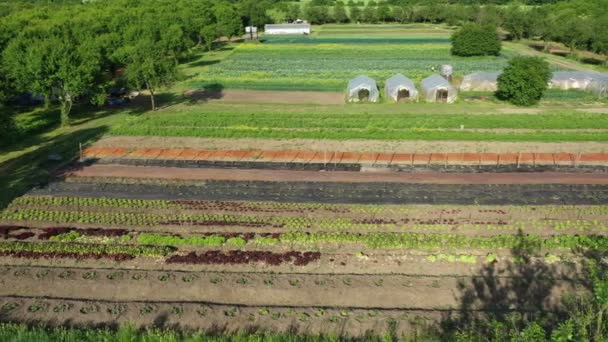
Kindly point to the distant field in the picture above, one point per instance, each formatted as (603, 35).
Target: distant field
(329, 67)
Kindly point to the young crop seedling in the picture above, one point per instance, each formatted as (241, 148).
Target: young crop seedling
(117, 309)
(63, 307)
(38, 307)
(89, 309)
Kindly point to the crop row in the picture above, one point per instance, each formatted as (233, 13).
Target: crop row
(438, 241)
(299, 207)
(85, 249)
(208, 240)
(144, 219)
(329, 66)
(245, 257)
(394, 240)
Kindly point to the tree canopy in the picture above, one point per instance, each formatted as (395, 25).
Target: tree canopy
(524, 80)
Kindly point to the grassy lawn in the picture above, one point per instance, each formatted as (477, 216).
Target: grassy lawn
(27, 162)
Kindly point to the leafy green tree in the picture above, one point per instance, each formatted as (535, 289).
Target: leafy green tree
(340, 13)
(369, 14)
(524, 80)
(58, 65)
(229, 23)
(355, 14)
(476, 40)
(148, 66)
(209, 34)
(253, 12)
(383, 12)
(516, 22)
(293, 12)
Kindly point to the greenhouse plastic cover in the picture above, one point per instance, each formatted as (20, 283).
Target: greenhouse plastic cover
(399, 82)
(572, 79)
(360, 83)
(430, 86)
(599, 85)
(480, 81)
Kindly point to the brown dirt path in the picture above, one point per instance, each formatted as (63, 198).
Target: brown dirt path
(146, 172)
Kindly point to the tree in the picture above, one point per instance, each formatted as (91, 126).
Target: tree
(58, 65)
(476, 40)
(369, 14)
(148, 66)
(383, 12)
(293, 12)
(253, 12)
(524, 80)
(355, 14)
(229, 24)
(340, 13)
(516, 22)
(209, 35)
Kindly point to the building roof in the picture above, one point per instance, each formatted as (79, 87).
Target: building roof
(286, 26)
(435, 81)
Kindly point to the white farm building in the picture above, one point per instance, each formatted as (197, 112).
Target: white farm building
(293, 29)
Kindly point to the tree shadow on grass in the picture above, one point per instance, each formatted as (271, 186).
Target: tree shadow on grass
(35, 168)
(522, 291)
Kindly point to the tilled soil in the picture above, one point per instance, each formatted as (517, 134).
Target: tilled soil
(214, 318)
(253, 289)
(267, 96)
(352, 145)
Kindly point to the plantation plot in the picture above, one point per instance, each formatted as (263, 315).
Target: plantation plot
(182, 250)
(329, 66)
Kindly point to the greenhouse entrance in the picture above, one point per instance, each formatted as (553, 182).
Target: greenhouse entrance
(403, 95)
(363, 95)
(442, 95)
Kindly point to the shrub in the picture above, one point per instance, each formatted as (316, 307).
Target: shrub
(476, 40)
(524, 81)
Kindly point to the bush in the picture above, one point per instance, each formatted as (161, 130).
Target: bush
(476, 40)
(524, 81)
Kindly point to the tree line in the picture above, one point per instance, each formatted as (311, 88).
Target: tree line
(75, 51)
(579, 24)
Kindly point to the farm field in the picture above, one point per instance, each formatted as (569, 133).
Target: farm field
(329, 66)
(230, 213)
(236, 263)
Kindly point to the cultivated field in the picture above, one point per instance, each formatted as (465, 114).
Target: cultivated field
(228, 211)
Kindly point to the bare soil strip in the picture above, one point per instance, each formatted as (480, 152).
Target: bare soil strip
(266, 96)
(122, 171)
(54, 310)
(352, 145)
(336, 291)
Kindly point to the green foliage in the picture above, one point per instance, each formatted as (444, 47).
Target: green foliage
(7, 128)
(476, 40)
(100, 249)
(524, 81)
